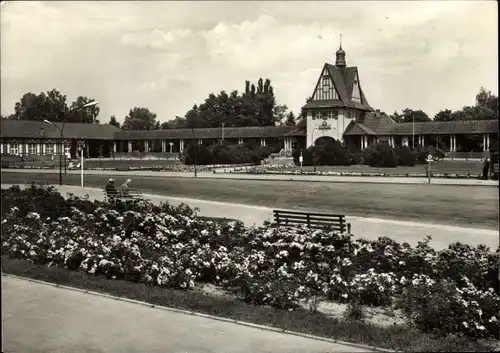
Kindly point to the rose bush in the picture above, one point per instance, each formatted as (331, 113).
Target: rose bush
(171, 246)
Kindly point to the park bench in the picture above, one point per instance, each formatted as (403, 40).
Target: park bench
(132, 194)
(312, 220)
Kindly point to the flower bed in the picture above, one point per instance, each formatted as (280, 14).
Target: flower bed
(450, 291)
(157, 168)
(293, 170)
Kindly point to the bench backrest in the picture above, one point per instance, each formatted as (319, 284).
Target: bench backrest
(131, 192)
(312, 220)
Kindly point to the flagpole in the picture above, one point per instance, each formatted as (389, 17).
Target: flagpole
(413, 133)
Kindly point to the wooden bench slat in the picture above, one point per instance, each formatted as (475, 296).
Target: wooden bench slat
(311, 218)
(284, 212)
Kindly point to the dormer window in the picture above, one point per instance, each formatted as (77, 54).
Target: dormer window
(356, 91)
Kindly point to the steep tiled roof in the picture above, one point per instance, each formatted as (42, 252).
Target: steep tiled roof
(31, 129)
(350, 74)
(357, 128)
(343, 79)
(229, 132)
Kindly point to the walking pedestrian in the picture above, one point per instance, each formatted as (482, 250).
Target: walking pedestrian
(486, 168)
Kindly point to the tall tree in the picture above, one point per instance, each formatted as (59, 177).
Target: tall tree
(486, 99)
(113, 121)
(54, 106)
(410, 115)
(444, 115)
(139, 119)
(398, 118)
(29, 107)
(290, 119)
(280, 114)
(177, 123)
(254, 107)
(77, 112)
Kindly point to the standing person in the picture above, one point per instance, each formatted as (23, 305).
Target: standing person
(486, 168)
(125, 187)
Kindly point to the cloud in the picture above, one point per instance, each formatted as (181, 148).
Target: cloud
(170, 55)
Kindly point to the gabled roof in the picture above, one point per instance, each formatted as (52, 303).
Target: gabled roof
(343, 79)
(32, 129)
(356, 129)
(350, 75)
(209, 133)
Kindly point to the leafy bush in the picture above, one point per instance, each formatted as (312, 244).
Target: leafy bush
(380, 155)
(267, 265)
(406, 157)
(441, 306)
(326, 151)
(202, 154)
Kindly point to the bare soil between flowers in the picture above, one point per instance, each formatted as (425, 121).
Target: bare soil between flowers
(381, 327)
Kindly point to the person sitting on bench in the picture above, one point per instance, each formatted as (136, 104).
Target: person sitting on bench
(125, 188)
(111, 191)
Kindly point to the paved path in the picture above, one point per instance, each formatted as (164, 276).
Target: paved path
(368, 228)
(40, 318)
(323, 178)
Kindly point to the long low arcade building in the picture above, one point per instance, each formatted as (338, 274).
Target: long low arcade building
(338, 109)
(98, 140)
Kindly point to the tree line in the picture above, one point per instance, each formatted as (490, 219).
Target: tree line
(485, 108)
(255, 106)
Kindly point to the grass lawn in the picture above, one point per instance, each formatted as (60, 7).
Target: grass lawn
(437, 167)
(397, 337)
(443, 204)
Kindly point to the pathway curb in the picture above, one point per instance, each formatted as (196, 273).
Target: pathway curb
(194, 313)
(297, 178)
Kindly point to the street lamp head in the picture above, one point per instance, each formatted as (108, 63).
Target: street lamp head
(90, 104)
(47, 122)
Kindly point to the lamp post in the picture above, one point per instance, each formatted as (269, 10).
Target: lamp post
(171, 145)
(301, 160)
(61, 129)
(413, 133)
(195, 152)
(222, 132)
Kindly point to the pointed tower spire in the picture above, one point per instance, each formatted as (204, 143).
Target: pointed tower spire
(340, 61)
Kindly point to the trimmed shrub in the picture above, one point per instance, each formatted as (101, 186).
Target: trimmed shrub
(202, 154)
(406, 157)
(380, 155)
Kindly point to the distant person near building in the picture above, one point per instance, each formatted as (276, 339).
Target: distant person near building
(486, 168)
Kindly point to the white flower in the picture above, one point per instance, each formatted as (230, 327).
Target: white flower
(493, 319)
(466, 325)
(344, 296)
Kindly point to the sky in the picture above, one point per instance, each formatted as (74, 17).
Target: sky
(168, 56)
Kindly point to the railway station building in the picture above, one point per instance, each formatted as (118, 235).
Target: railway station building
(338, 109)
